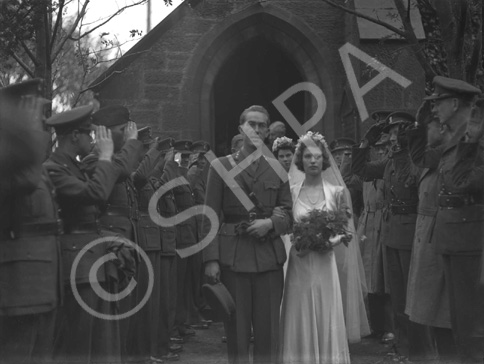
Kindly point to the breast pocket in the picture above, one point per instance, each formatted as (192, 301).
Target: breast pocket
(271, 188)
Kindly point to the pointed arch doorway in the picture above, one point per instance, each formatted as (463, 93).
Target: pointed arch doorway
(251, 58)
(255, 74)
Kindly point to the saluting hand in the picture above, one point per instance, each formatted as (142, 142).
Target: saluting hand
(104, 143)
(131, 131)
(474, 129)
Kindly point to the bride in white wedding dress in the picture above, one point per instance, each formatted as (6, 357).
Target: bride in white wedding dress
(313, 328)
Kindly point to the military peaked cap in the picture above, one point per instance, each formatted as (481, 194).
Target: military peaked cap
(183, 146)
(397, 118)
(445, 88)
(200, 146)
(67, 121)
(144, 135)
(110, 116)
(380, 115)
(219, 298)
(341, 144)
(15, 92)
(165, 145)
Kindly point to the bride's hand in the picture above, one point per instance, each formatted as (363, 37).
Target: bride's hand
(259, 227)
(336, 239)
(278, 212)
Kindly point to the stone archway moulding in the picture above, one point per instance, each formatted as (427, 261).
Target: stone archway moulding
(283, 29)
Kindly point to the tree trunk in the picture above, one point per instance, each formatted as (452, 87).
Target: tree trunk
(42, 50)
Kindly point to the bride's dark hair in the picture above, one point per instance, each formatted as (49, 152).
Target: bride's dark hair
(298, 155)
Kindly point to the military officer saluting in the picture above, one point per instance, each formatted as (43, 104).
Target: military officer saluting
(400, 178)
(79, 335)
(30, 284)
(459, 230)
(167, 208)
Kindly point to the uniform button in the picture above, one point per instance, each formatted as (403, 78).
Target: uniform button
(464, 219)
(74, 247)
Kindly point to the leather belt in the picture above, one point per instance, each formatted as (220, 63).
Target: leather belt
(85, 228)
(33, 230)
(403, 209)
(235, 219)
(453, 201)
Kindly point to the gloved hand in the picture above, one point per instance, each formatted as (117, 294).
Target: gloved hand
(374, 133)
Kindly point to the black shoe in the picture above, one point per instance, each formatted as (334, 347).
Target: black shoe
(177, 340)
(155, 360)
(171, 357)
(224, 339)
(200, 326)
(187, 332)
(175, 348)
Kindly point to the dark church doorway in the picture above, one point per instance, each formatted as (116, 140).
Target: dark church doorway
(255, 74)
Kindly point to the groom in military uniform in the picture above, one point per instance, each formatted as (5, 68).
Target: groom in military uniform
(247, 254)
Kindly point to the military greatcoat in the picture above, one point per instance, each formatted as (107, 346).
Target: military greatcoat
(459, 233)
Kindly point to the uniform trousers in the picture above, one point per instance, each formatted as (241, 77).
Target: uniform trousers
(257, 299)
(466, 305)
(381, 313)
(143, 335)
(187, 269)
(27, 338)
(414, 340)
(83, 338)
(168, 287)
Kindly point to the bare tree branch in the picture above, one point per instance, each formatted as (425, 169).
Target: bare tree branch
(108, 19)
(29, 53)
(412, 39)
(71, 31)
(58, 23)
(23, 65)
(369, 18)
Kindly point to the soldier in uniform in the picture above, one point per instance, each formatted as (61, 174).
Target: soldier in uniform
(120, 212)
(341, 149)
(197, 176)
(373, 252)
(167, 208)
(247, 254)
(236, 143)
(144, 344)
(30, 283)
(187, 235)
(427, 290)
(80, 336)
(400, 178)
(458, 231)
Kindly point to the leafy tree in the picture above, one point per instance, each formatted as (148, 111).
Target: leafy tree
(453, 30)
(38, 41)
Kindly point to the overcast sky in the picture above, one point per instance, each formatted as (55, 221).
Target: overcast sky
(132, 18)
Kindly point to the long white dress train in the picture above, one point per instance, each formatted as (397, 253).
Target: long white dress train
(312, 321)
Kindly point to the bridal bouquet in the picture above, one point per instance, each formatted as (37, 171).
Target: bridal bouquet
(317, 231)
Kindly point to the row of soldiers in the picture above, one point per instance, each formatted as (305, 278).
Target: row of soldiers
(422, 225)
(83, 206)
